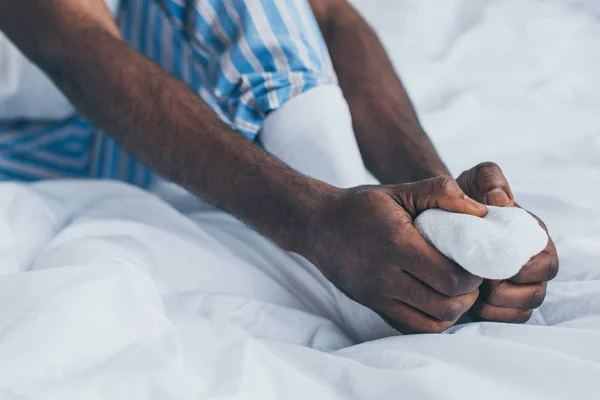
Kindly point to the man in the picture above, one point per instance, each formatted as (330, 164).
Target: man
(247, 59)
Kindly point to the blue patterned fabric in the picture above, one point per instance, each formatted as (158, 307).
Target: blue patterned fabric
(245, 58)
(30, 151)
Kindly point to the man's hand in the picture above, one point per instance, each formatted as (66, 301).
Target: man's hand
(515, 299)
(396, 149)
(364, 242)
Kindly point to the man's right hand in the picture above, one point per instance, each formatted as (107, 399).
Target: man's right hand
(362, 239)
(365, 243)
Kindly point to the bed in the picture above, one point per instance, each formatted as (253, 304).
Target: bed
(110, 292)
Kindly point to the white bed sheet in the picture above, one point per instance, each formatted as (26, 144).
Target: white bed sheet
(107, 292)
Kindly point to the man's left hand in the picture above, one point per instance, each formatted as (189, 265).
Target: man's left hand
(511, 300)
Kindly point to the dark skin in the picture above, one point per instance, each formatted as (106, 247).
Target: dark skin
(396, 149)
(379, 259)
(515, 299)
(394, 146)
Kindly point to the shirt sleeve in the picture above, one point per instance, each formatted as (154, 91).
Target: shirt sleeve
(245, 58)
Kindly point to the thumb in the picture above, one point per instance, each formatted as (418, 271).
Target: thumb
(486, 182)
(441, 192)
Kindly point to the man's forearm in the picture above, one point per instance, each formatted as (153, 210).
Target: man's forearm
(393, 144)
(167, 126)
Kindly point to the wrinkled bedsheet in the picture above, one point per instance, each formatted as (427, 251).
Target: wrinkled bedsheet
(109, 292)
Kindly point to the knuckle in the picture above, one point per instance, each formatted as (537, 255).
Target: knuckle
(520, 278)
(553, 267)
(371, 197)
(397, 323)
(482, 178)
(433, 326)
(487, 176)
(488, 170)
(483, 311)
(445, 185)
(452, 310)
(463, 178)
(521, 316)
(493, 293)
(536, 297)
(524, 276)
(451, 285)
(458, 284)
(472, 283)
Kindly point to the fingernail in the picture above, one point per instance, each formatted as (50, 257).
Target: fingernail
(497, 197)
(472, 202)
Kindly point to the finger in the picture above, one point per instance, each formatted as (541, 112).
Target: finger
(408, 320)
(415, 293)
(429, 266)
(489, 312)
(541, 268)
(511, 295)
(486, 183)
(440, 192)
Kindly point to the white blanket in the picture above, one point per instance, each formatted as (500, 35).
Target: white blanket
(107, 292)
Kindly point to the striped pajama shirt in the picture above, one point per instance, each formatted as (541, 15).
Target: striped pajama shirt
(245, 58)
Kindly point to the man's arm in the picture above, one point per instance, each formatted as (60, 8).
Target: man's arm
(157, 117)
(394, 146)
(396, 149)
(362, 239)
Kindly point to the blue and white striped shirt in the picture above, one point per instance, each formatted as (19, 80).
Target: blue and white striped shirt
(245, 58)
